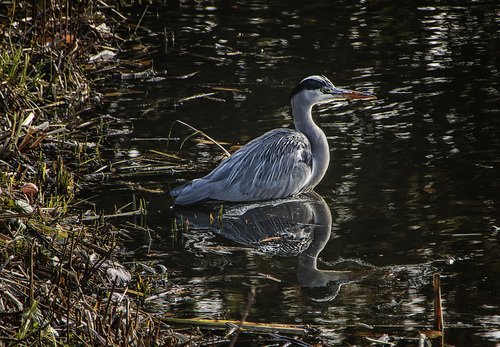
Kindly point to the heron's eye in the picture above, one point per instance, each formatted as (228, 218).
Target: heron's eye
(326, 90)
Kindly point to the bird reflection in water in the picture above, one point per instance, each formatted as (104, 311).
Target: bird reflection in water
(297, 226)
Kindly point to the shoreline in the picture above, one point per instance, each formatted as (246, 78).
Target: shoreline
(61, 282)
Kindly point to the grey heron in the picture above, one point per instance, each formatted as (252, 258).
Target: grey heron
(282, 162)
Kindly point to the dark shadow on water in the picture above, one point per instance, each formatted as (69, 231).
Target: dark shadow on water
(298, 226)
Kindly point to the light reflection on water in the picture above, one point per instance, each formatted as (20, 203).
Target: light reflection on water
(414, 174)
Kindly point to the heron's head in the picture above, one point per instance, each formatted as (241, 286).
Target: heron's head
(319, 89)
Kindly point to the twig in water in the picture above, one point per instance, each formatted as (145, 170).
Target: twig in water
(116, 215)
(140, 20)
(198, 132)
(183, 77)
(438, 307)
(251, 299)
(196, 96)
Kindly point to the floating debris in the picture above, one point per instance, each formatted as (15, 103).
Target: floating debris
(104, 55)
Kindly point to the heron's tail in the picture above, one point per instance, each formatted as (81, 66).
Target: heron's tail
(191, 193)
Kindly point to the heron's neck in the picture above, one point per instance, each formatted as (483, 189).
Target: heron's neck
(302, 116)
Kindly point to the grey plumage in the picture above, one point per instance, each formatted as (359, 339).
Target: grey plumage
(278, 164)
(286, 151)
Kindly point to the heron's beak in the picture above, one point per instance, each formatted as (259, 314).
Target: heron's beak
(352, 94)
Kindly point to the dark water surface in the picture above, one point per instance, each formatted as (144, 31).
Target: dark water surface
(413, 186)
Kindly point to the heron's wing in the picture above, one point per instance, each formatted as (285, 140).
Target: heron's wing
(274, 165)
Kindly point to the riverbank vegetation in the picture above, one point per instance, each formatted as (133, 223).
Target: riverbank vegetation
(60, 281)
